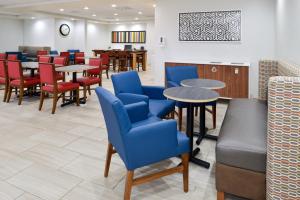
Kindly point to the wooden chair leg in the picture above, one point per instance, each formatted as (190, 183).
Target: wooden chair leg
(172, 114)
(214, 111)
(108, 159)
(128, 185)
(41, 100)
(63, 97)
(55, 98)
(77, 97)
(84, 92)
(220, 196)
(180, 118)
(185, 164)
(89, 89)
(107, 76)
(9, 94)
(21, 95)
(5, 93)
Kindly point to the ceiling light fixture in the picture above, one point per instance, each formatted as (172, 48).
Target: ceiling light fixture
(94, 15)
(136, 18)
(32, 17)
(72, 19)
(117, 19)
(86, 8)
(116, 14)
(154, 5)
(113, 5)
(140, 12)
(61, 10)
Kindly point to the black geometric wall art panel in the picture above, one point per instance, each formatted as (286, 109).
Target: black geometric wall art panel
(210, 26)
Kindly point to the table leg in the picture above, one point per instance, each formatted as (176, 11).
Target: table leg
(190, 134)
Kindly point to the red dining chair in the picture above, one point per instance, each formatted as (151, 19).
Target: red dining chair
(67, 56)
(49, 84)
(44, 59)
(2, 56)
(105, 62)
(60, 62)
(18, 81)
(4, 78)
(12, 57)
(79, 58)
(95, 72)
(42, 52)
(87, 81)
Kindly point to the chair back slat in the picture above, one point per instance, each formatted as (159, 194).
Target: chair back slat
(60, 60)
(2, 56)
(3, 69)
(44, 59)
(14, 69)
(47, 74)
(12, 57)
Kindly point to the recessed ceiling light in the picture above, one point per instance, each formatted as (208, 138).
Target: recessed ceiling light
(86, 8)
(154, 5)
(136, 18)
(113, 5)
(32, 17)
(116, 14)
(117, 19)
(72, 19)
(61, 10)
(140, 12)
(118, 23)
(94, 15)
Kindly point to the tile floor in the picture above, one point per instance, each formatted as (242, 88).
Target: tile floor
(61, 156)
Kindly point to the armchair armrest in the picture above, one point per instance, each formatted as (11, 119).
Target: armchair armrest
(172, 84)
(154, 92)
(283, 136)
(151, 143)
(137, 111)
(129, 98)
(267, 69)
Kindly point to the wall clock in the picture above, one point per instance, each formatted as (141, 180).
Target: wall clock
(64, 29)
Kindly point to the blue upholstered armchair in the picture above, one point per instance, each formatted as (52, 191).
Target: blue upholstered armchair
(128, 89)
(174, 75)
(141, 139)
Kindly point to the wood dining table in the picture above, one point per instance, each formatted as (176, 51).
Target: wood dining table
(74, 69)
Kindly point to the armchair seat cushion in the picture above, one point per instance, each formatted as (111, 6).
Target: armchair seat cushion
(161, 108)
(28, 81)
(94, 72)
(87, 81)
(149, 120)
(62, 87)
(243, 137)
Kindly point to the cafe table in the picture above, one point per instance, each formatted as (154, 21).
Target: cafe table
(192, 96)
(30, 65)
(74, 69)
(208, 84)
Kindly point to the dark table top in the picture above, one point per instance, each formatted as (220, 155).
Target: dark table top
(203, 83)
(191, 94)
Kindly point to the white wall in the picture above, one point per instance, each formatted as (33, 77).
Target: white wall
(39, 32)
(288, 30)
(258, 38)
(63, 43)
(97, 37)
(11, 34)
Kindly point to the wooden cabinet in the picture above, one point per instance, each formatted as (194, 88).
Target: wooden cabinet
(235, 77)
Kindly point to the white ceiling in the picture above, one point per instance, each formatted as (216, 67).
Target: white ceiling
(127, 10)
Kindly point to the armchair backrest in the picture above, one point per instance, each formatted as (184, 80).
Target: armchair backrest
(116, 119)
(180, 73)
(127, 82)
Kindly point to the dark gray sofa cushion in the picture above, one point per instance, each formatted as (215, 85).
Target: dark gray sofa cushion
(242, 141)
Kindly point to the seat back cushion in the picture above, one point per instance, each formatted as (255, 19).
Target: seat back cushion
(180, 73)
(127, 82)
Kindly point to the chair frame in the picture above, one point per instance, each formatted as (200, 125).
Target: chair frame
(6, 84)
(55, 93)
(131, 181)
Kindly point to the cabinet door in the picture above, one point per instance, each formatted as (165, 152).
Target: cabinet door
(236, 79)
(215, 72)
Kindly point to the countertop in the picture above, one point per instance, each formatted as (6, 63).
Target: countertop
(238, 64)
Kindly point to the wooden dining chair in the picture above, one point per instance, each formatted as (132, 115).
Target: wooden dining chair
(2, 56)
(44, 59)
(60, 61)
(49, 84)
(12, 57)
(79, 58)
(105, 63)
(17, 80)
(4, 78)
(67, 56)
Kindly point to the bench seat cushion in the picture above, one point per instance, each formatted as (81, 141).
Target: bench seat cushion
(242, 141)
